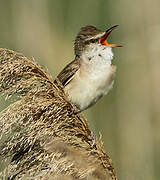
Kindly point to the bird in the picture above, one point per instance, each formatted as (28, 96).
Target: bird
(91, 74)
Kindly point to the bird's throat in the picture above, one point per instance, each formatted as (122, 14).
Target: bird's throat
(98, 56)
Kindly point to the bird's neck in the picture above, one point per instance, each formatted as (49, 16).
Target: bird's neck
(97, 57)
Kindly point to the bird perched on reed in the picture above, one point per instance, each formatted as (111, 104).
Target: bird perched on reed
(41, 137)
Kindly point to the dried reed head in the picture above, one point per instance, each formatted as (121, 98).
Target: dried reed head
(41, 137)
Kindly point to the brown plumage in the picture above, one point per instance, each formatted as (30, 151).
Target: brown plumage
(41, 137)
(65, 76)
(84, 33)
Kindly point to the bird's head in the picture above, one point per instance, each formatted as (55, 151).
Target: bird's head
(90, 36)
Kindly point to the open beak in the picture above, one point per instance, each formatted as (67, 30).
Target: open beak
(104, 41)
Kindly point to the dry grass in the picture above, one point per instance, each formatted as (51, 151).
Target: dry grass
(41, 137)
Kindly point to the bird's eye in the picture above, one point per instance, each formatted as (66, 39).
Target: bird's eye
(93, 40)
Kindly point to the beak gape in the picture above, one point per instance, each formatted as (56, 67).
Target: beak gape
(104, 41)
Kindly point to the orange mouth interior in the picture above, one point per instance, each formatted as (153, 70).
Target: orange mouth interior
(103, 41)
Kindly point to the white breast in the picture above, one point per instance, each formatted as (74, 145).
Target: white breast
(93, 79)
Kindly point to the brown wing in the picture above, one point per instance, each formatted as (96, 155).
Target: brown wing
(66, 75)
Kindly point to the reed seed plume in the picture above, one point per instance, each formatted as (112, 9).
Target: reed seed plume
(41, 137)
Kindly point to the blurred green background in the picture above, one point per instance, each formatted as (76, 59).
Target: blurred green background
(128, 117)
